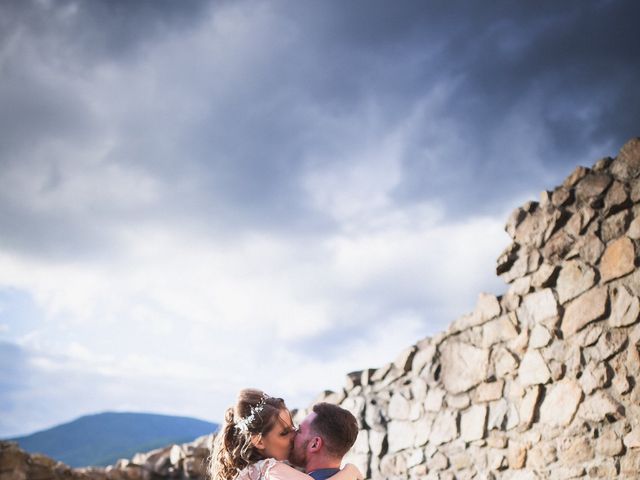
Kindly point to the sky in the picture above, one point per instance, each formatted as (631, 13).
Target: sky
(197, 197)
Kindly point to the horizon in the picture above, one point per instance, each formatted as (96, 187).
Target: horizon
(53, 427)
(206, 196)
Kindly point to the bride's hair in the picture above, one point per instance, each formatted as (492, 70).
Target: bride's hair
(254, 413)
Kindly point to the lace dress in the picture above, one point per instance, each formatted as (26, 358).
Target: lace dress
(261, 470)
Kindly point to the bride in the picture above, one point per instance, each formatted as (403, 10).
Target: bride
(255, 441)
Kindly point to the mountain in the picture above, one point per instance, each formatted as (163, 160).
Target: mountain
(101, 439)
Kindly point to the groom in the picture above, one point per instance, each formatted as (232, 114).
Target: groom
(324, 437)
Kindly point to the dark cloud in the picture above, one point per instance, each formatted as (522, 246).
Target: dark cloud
(516, 95)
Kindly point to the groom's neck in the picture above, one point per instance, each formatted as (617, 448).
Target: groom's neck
(317, 462)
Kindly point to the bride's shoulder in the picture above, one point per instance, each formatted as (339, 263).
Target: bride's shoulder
(257, 470)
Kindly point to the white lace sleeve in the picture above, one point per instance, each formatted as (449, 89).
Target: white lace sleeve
(269, 463)
(257, 471)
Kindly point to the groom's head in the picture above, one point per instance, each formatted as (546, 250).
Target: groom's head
(325, 436)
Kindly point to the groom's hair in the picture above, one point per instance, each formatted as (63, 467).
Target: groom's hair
(337, 427)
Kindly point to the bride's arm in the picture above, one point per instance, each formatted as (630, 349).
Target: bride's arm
(282, 471)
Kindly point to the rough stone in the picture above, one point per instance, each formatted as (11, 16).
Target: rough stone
(617, 259)
(438, 462)
(497, 414)
(423, 357)
(615, 226)
(399, 407)
(627, 164)
(589, 335)
(473, 423)
(422, 429)
(632, 439)
(588, 307)
(575, 278)
(459, 401)
(499, 330)
(517, 456)
(578, 174)
(633, 231)
(401, 435)
(418, 389)
(625, 307)
(529, 405)
(591, 187)
(579, 221)
(526, 261)
(598, 406)
(533, 369)
(610, 343)
(609, 444)
(489, 391)
(463, 366)
(539, 337)
(576, 450)
(536, 227)
(590, 248)
(561, 403)
(505, 363)
(545, 276)
(537, 307)
(445, 427)
(434, 400)
(616, 198)
(558, 246)
(541, 455)
(404, 360)
(595, 376)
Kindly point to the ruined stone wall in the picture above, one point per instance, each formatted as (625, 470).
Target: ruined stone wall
(186, 461)
(541, 382)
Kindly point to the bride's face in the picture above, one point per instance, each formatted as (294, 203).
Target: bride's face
(277, 442)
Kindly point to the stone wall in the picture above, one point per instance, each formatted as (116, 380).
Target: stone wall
(186, 461)
(541, 382)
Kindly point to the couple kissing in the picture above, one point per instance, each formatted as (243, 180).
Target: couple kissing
(258, 441)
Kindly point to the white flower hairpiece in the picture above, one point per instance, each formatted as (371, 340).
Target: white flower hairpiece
(243, 424)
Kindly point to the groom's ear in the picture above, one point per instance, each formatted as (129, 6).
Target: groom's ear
(316, 444)
(257, 442)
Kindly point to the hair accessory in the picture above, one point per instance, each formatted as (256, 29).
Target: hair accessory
(243, 424)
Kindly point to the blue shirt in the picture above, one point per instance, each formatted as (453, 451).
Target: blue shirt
(323, 473)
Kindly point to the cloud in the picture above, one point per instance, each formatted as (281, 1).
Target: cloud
(194, 195)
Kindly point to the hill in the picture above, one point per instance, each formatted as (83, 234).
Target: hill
(103, 438)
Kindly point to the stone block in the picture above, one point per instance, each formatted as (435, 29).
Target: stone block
(399, 407)
(609, 444)
(529, 406)
(587, 308)
(463, 366)
(488, 391)
(561, 403)
(625, 307)
(615, 226)
(434, 400)
(539, 337)
(610, 343)
(499, 330)
(537, 307)
(533, 369)
(575, 278)
(473, 423)
(598, 406)
(595, 376)
(617, 259)
(626, 165)
(590, 248)
(445, 427)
